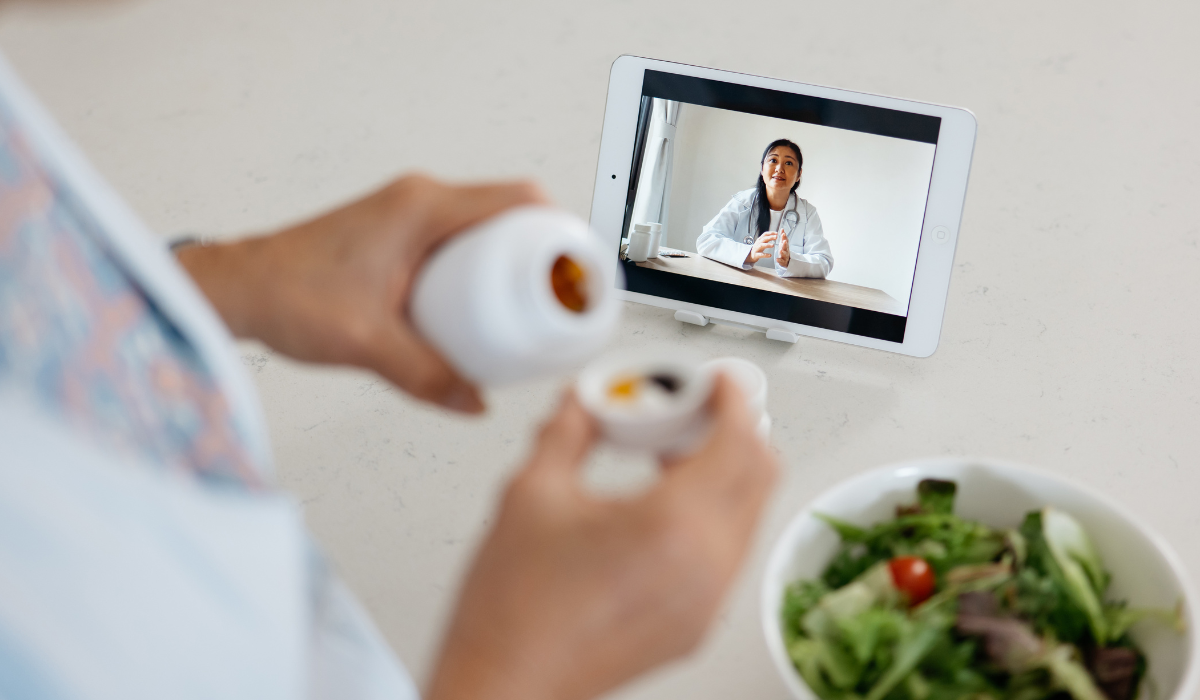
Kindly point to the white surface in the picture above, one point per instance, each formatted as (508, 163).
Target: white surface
(1145, 571)
(1069, 342)
(943, 207)
(869, 190)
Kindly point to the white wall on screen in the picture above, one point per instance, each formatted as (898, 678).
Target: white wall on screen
(869, 190)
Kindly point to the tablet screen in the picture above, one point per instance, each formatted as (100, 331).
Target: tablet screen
(793, 207)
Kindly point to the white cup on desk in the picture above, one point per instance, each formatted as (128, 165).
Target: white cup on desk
(639, 243)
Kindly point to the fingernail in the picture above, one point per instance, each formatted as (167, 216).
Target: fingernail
(463, 397)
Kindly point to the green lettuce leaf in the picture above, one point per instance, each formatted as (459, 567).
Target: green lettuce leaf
(1120, 618)
(1082, 572)
(936, 496)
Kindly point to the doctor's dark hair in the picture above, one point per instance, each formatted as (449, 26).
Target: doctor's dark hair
(761, 214)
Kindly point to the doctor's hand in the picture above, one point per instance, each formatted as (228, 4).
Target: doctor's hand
(335, 289)
(759, 249)
(783, 251)
(572, 594)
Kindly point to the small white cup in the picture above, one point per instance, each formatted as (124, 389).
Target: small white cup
(674, 426)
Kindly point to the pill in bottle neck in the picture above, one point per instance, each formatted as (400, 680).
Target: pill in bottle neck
(643, 392)
(569, 281)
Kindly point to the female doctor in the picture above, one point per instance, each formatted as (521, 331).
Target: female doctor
(770, 226)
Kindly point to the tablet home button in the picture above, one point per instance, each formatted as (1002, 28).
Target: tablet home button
(941, 234)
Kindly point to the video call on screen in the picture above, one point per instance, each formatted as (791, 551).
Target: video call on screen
(853, 224)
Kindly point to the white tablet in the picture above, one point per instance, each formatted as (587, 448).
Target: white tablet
(782, 206)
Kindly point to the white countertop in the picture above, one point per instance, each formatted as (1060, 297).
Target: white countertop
(1071, 332)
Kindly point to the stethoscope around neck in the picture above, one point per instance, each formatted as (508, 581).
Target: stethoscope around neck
(790, 217)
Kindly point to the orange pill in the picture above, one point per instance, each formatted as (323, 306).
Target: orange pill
(569, 281)
(624, 389)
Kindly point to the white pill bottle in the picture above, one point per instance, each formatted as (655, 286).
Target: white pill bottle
(525, 294)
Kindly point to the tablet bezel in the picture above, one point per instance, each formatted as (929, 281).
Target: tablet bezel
(943, 208)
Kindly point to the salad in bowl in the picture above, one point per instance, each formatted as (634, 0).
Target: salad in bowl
(930, 602)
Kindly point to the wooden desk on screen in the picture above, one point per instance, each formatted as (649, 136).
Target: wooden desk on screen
(822, 290)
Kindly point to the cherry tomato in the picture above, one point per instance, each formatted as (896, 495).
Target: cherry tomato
(913, 577)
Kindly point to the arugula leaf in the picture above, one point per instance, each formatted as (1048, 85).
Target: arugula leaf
(1014, 541)
(864, 632)
(942, 539)
(914, 644)
(936, 496)
(1069, 674)
(806, 656)
(1041, 590)
(798, 599)
(1061, 550)
(916, 686)
(1120, 618)
(840, 666)
(849, 532)
(850, 563)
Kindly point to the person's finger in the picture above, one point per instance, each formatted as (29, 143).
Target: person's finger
(729, 477)
(732, 445)
(410, 363)
(565, 440)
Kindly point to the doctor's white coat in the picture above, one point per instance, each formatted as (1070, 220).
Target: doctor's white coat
(728, 238)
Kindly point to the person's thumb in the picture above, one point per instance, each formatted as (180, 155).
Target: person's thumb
(565, 440)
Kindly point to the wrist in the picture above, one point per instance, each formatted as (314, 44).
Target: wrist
(228, 275)
(475, 676)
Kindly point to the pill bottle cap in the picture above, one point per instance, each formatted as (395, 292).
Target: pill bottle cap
(642, 228)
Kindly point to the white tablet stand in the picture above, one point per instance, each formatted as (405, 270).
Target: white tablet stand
(701, 320)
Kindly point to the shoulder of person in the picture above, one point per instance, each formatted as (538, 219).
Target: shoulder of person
(745, 198)
(806, 205)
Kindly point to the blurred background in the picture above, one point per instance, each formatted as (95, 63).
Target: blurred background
(1070, 338)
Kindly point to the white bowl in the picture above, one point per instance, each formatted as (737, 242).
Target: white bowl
(1145, 571)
